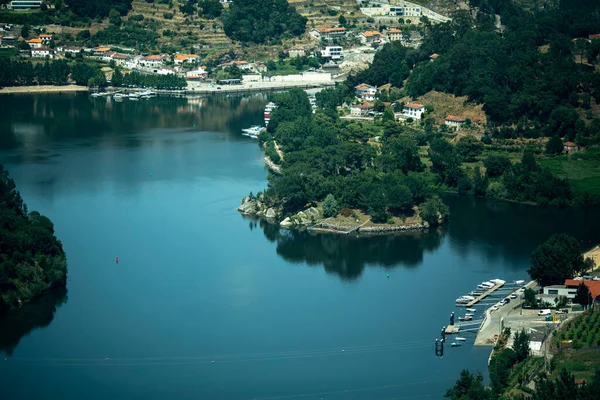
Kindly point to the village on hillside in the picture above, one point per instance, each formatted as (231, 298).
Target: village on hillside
(323, 55)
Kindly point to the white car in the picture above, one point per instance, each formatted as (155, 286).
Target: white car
(494, 308)
(513, 296)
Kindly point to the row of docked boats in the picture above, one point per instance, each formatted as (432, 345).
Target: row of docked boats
(147, 94)
(480, 290)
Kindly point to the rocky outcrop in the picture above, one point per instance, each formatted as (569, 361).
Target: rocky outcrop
(252, 206)
(286, 223)
(270, 213)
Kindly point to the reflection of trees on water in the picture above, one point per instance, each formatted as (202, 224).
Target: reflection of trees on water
(36, 119)
(510, 231)
(347, 255)
(37, 314)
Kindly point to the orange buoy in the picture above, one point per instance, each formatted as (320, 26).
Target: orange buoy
(117, 260)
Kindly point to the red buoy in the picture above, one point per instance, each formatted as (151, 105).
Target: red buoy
(117, 260)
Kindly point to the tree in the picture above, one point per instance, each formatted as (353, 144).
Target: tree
(399, 197)
(117, 78)
(554, 145)
(469, 147)
(342, 20)
(469, 386)
(529, 298)
(211, 9)
(262, 21)
(583, 295)
(25, 31)
(114, 17)
(433, 211)
(521, 345)
(495, 165)
(84, 34)
(480, 182)
(330, 206)
(557, 259)
(499, 369)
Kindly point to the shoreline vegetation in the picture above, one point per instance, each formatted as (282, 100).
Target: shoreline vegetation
(44, 89)
(32, 260)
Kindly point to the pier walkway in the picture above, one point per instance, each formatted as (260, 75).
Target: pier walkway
(482, 296)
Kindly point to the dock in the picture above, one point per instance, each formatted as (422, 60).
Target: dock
(482, 296)
(454, 329)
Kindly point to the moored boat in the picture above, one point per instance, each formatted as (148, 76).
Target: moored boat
(471, 310)
(456, 344)
(461, 339)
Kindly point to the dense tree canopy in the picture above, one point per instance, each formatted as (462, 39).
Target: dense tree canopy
(31, 258)
(99, 8)
(328, 158)
(555, 260)
(262, 21)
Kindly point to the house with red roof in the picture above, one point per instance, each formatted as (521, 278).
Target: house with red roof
(413, 110)
(570, 147)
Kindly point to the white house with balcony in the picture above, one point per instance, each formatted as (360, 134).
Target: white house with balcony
(413, 110)
(327, 33)
(365, 92)
(333, 52)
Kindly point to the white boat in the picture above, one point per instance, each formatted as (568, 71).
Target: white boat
(134, 96)
(96, 95)
(471, 309)
(469, 315)
(268, 108)
(519, 282)
(461, 339)
(461, 300)
(456, 344)
(488, 283)
(254, 131)
(497, 281)
(120, 96)
(468, 297)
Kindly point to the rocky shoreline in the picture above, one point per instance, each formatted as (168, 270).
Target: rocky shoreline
(311, 219)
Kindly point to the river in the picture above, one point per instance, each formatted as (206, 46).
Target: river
(207, 304)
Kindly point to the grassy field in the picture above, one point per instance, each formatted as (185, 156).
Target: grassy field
(581, 169)
(582, 363)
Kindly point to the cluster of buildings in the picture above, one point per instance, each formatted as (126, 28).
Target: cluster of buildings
(391, 34)
(569, 289)
(367, 93)
(401, 9)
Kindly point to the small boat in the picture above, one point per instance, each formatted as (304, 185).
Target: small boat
(461, 339)
(461, 300)
(519, 282)
(96, 95)
(468, 297)
(469, 315)
(465, 318)
(471, 310)
(475, 293)
(456, 344)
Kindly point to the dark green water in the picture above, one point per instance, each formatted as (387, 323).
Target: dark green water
(282, 314)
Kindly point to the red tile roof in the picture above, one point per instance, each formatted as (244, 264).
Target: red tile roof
(328, 30)
(414, 105)
(455, 118)
(570, 144)
(593, 286)
(595, 36)
(434, 56)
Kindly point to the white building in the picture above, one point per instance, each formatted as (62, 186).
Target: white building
(25, 5)
(392, 35)
(560, 290)
(34, 43)
(365, 92)
(361, 110)
(413, 110)
(327, 33)
(333, 52)
(370, 37)
(42, 52)
(153, 61)
(198, 74)
(454, 121)
(297, 52)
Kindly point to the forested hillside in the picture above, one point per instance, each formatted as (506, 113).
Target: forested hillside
(31, 258)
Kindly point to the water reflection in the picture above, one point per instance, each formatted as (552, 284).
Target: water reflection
(347, 255)
(501, 230)
(31, 316)
(496, 231)
(39, 119)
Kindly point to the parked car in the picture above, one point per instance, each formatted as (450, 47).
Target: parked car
(543, 313)
(494, 308)
(506, 300)
(514, 296)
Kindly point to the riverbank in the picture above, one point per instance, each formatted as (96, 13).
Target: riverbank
(347, 221)
(44, 89)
